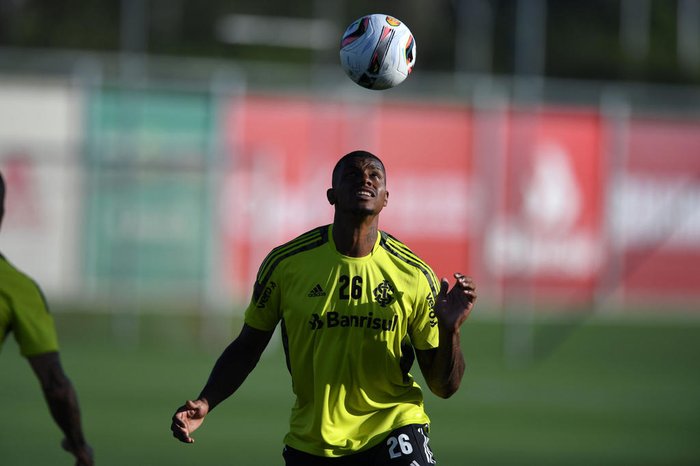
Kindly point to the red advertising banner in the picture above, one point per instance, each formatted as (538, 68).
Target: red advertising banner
(657, 210)
(545, 238)
(531, 202)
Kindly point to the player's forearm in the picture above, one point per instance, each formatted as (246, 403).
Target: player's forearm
(64, 408)
(447, 368)
(60, 396)
(230, 371)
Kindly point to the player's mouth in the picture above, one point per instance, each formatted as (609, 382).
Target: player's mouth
(365, 194)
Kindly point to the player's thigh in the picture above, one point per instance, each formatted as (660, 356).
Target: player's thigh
(405, 446)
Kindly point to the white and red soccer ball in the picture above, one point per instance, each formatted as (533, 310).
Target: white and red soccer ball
(377, 51)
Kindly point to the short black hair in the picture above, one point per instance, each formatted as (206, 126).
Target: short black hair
(352, 155)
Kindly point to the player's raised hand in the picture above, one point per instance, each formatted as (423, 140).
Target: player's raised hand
(454, 306)
(188, 418)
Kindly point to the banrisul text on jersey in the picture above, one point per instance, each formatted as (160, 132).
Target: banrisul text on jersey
(334, 319)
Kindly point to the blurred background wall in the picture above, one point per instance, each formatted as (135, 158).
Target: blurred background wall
(156, 150)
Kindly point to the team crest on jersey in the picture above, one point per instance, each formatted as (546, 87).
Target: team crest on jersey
(384, 293)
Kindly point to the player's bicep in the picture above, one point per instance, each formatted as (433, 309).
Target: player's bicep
(34, 326)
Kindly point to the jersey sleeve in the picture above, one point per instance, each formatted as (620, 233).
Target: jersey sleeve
(423, 327)
(32, 324)
(263, 312)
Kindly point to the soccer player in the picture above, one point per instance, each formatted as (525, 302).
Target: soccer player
(23, 311)
(356, 307)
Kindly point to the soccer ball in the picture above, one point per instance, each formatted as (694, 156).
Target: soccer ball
(377, 51)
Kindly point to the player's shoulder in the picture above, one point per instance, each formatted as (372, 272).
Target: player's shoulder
(397, 248)
(12, 275)
(15, 282)
(305, 242)
(400, 252)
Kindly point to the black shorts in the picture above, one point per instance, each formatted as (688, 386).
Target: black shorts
(405, 446)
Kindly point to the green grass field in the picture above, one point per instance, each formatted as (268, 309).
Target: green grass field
(596, 393)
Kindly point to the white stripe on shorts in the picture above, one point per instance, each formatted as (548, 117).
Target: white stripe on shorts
(426, 448)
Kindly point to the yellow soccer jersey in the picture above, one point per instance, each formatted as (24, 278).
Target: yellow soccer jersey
(348, 325)
(23, 311)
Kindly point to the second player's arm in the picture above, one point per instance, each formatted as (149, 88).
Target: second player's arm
(63, 403)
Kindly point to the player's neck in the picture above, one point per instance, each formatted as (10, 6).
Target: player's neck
(355, 238)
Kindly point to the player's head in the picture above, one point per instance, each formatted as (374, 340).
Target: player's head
(357, 154)
(359, 184)
(2, 197)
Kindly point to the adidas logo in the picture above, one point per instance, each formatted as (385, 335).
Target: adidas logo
(316, 291)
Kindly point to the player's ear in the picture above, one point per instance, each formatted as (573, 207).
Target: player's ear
(330, 195)
(386, 198)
